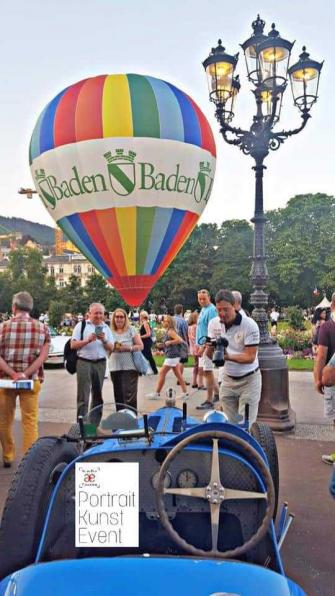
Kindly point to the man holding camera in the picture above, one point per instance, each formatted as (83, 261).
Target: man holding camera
(242, 381)
(92, 349)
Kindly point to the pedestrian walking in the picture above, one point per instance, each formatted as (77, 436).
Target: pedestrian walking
(182, 330)
(145, 334)
(206, 368)
(93, 349)
(171, 342)
(274, 317)
(197, 379)
(319, 319)
(123, 371)
(24, 347)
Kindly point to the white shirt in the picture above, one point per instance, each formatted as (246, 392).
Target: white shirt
(240, 335)
(95, 349)
(274, 316)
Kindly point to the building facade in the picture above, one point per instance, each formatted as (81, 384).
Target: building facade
(63, 266)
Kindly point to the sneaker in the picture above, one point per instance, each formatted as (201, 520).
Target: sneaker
(200, 387)
(216, 398)
(7, 464)
(194, 386)
(184, 396)
(329, 459)
(207, 405)
(154, 395)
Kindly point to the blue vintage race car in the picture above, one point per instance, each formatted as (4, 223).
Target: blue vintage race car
(207, 500)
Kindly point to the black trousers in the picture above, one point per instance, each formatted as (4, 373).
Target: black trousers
(148, 354)
(125, 388)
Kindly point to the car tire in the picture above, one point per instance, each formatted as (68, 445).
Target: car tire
(264, 436)
(27, 501)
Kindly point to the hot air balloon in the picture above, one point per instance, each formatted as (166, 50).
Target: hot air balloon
(124, 164)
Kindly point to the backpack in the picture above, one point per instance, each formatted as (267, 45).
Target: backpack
(71, 356)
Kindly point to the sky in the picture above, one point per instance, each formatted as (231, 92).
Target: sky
(46, 46)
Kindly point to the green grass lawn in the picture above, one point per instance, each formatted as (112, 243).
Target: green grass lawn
(292, 363)
(300, 364)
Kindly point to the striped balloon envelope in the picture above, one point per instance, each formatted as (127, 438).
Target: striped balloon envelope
(125, 165)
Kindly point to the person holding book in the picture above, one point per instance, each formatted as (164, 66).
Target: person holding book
(24, 346)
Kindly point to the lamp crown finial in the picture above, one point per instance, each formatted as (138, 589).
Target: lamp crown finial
(273, 32)
(258, 26)
(304, 55)
(219, 48)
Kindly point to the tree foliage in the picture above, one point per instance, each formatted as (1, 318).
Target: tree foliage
(299, 243)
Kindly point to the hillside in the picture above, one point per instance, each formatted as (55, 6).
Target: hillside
(40, 233)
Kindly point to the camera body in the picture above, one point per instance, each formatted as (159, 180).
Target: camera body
(218, 344)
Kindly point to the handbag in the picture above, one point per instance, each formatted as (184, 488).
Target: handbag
(140, 362)
(183, 347)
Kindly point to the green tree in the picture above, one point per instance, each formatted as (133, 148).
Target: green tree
(232, 262)
(299, 240)
(56, 313)
(72, 296)
(96, 289)
(6, 292)
(28, 273)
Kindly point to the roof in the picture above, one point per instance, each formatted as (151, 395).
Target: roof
(324, 303)
(55, 260)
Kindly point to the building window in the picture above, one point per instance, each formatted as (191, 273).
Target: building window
(61, 284)
(52, 271)
(77, 268)
(61, 270)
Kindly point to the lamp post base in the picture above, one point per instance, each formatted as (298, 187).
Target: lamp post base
(274, 406)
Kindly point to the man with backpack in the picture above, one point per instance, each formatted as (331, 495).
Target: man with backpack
(93, 342)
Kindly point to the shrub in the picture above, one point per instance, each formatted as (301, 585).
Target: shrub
(295, 317)
(292, 340)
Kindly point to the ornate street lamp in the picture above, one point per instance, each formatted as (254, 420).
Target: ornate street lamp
(267, 59)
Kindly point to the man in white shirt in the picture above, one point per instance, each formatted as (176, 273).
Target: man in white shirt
(242, 381)
(92, 349)
(238, 302)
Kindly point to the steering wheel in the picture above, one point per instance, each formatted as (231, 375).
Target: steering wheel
(215, 494)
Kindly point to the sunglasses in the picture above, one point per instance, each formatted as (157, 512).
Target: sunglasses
(120, 317)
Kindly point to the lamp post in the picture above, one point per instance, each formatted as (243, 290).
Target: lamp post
(267, 60)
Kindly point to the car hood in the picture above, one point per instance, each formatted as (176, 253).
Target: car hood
(58, 342)
(147, 575)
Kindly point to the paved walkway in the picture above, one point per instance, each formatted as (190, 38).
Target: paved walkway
(308, 550)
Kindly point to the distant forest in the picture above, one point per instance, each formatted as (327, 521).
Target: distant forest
(40, 233)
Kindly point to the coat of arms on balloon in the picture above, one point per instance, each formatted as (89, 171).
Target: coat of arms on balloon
(125, 166)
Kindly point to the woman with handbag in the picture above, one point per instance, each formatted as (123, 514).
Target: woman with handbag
(146, 337)
(171, 343)
(124, 373)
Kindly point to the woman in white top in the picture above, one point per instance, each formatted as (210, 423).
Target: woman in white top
(121, 364)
